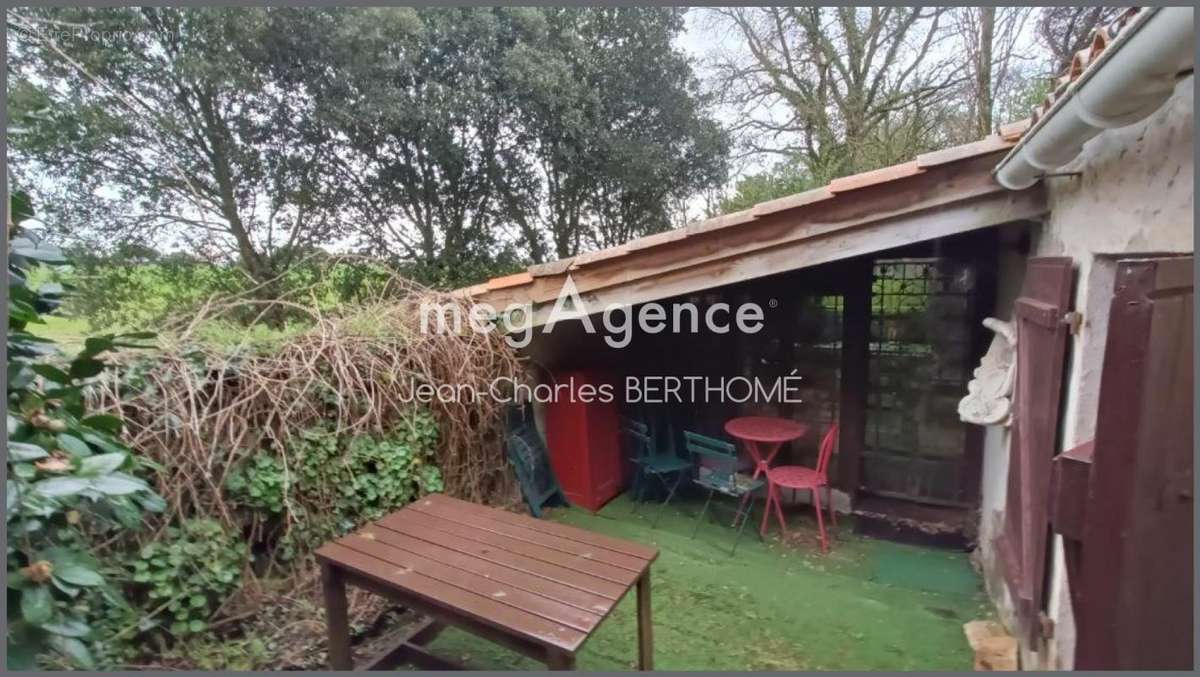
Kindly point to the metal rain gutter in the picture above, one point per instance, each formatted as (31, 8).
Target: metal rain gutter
(1130, 79)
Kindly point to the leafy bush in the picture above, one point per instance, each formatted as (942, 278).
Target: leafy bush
(69, 476)
(190, 572)
(261, 482)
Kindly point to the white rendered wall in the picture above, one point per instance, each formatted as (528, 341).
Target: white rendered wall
(1134, 197)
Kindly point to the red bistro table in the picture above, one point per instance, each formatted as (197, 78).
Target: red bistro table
(763, 436)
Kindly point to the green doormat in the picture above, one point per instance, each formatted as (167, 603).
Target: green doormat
(922, 569)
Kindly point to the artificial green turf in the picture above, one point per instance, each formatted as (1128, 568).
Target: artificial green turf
(868, 605)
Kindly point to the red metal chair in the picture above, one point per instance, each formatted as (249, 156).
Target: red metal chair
(799, 477)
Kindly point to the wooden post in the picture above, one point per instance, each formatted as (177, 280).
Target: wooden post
(337, 623)
(645, 626)
(856, 355)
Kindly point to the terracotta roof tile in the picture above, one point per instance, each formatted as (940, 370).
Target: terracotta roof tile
(656, 239)
(1013, 131)
(514, 280)
(989, 144)
(551, 267)
(473, 290)
(876, 176)
(719, 222)
(1083, 59)
(792, 201)
(589, 258)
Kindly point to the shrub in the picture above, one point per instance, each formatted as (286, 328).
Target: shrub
(190, 572)
(70, 479)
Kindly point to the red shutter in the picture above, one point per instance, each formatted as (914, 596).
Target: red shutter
(1041, 347)
(1134, 575)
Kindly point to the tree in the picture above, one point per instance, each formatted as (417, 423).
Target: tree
(445, 139)
(990, 39)
(174, 123)
(604, 128)
(835, 88)
(783, 179)
(1066, 30)
(412, 92)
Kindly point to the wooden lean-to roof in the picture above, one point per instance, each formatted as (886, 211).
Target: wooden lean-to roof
(936, 194)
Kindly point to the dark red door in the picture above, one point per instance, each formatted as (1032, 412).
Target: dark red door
(1041, 346)
(1134, 607)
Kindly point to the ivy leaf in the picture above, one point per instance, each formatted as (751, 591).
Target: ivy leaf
(23, 451)
(37, 606)
(75, 650)
(56, 487)
(102, 464)
(73, 445)
(104, 422)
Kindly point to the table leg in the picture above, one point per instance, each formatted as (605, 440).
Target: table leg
(645, 626)
(759, 468)
(560, 660)
(337, 622)
(762, 528)
(764, 465)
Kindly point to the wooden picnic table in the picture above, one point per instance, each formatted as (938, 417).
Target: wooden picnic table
(537, 587)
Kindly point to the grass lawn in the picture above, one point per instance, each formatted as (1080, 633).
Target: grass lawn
(69, 332)
(868, 605)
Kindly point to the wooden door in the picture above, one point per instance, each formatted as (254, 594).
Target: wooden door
(1041, 348)
(1134, 603)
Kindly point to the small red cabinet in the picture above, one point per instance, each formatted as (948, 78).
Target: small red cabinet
(583, 437)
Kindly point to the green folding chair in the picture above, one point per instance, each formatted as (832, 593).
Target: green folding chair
(649, 462)
(717, 471)
(531, 462)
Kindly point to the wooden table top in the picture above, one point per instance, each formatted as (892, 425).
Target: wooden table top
(539, 580)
